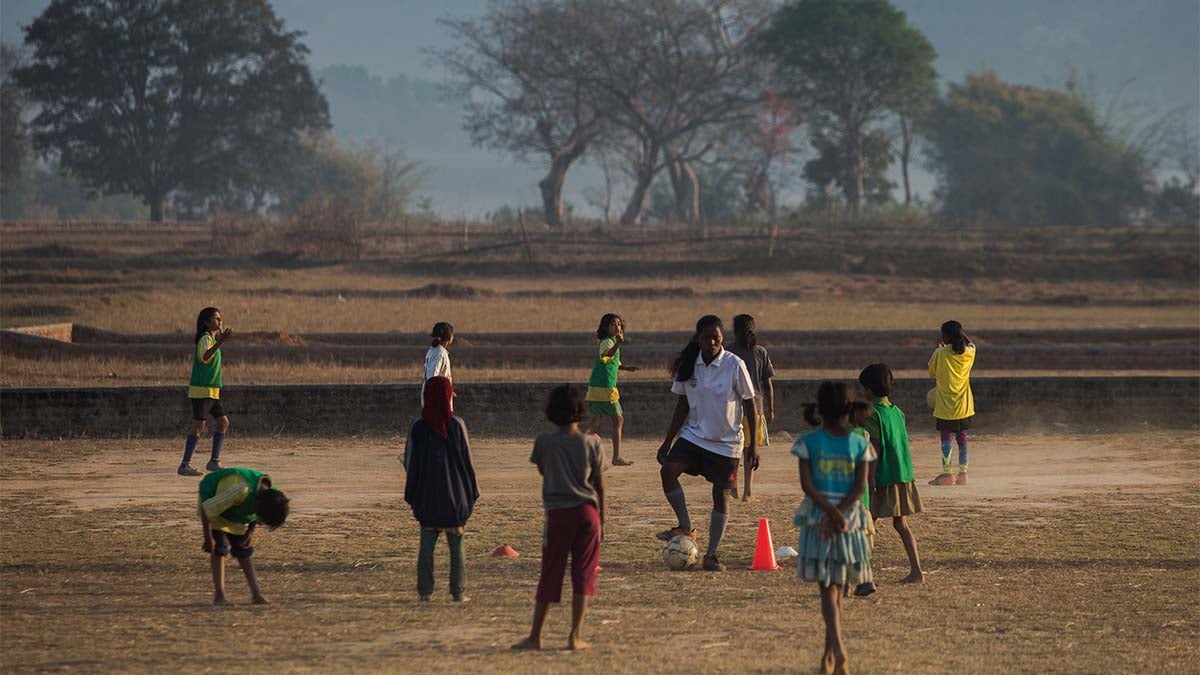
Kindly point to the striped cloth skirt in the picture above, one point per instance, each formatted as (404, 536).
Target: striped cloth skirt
(841, 560)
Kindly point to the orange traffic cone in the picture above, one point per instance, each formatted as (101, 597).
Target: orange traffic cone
(764, 550)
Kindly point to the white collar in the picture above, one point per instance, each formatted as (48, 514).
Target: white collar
(717, 360)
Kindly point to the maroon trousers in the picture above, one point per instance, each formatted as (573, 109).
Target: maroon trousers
(574, 531)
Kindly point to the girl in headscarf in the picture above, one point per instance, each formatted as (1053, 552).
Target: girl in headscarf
(440, 487)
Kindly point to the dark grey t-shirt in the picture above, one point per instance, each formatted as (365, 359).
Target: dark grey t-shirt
(568, 464)
(760, 367)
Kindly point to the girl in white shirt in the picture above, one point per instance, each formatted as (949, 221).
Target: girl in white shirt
(437, 359)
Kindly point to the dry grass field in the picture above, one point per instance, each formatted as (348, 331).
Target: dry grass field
(1064, 554)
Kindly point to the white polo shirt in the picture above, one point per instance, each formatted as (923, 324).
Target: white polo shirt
(714, 396)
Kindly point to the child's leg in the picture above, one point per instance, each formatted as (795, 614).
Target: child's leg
(831, 606)
(256, 595)
(749, 482)
(579, 604)
(222, 424)
(946, 465)
(458, 564)
(429, 537)
(560, 533)
(192, 441)
(674, 493)
(915, 575)
(961, 438)
(218, 575)
(585, 558)
(618, 426)
(534, 641)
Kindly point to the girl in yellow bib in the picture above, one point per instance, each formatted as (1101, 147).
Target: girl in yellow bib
(953, 405)
(204, 389)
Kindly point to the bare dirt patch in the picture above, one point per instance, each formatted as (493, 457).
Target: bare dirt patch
(1064, 554)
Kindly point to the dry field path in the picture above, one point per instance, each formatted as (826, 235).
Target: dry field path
(1064, 554)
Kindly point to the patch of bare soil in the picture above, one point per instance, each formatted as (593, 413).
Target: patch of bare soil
(1063, 554)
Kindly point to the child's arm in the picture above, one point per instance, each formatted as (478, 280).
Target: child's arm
(598, 483)
(810, 490)
(751, 453)
(632, 369)
(874, 465)
(222, 337)
(677, 420)
(617, 340)
(769, 400)
(207, 547)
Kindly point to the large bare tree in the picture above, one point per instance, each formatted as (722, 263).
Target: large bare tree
(525, 69)
(670, 75)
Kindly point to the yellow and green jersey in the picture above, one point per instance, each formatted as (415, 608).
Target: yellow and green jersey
(206, 375)
(602, 385)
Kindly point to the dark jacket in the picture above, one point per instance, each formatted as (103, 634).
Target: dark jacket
(441, 487)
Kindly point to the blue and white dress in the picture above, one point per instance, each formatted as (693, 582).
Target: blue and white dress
(845, 558)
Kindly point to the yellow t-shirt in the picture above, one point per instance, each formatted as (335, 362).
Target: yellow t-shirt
(953, 372)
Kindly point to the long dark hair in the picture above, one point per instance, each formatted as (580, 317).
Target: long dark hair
(953, 335)
(442, 332)
(743, 330)
(833, 402)
(602, 329)
(206, 315)
(684, 365)
(878, 379)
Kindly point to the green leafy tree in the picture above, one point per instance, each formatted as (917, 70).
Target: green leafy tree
(152, 96)
(847, 64)
(833, 169)
(1020, 154)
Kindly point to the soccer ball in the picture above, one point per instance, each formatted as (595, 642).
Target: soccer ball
(680, 553)
(931, 398)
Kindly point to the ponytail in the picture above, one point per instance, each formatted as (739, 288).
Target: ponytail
(743, 330)
(684, 365)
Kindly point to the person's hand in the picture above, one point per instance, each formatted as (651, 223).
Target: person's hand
(770, 415)
(662, 452)
(225, 335)
(837, 520)
(751, 458)
(207, 547)
(631, 369)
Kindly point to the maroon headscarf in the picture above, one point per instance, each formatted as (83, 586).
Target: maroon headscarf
(436, 410)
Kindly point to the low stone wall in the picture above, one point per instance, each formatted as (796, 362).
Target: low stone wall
(1078, 404)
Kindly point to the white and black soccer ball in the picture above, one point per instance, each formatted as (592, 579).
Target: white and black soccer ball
(680, 553)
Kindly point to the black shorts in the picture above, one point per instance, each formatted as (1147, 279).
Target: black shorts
(954, 425)
(203, 407)
(237, 545)
(719, 470)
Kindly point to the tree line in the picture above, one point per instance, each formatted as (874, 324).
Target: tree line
(693, 105)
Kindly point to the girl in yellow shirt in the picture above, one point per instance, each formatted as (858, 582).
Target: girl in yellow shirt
(953, 405)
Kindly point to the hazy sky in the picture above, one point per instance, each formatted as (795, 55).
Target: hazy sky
(1148, 50)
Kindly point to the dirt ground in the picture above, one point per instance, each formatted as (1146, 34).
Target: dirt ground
(1064, 554)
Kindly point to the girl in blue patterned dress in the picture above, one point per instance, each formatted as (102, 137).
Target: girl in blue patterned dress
(833, 547)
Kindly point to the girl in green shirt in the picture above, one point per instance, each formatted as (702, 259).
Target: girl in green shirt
(892, 485)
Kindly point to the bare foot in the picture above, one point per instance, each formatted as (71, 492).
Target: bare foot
(827, 662)
(747, 498)
(621, 461)
(529, 643)
(733, 492)
(578, 644)
(841, 666)
(220, 600)
(259, 600)
(914, 578)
